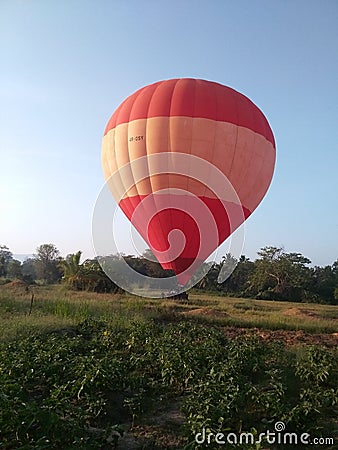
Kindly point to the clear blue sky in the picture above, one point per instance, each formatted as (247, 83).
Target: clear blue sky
(66, 65)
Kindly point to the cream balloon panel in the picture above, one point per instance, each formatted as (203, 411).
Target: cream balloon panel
(245, 157)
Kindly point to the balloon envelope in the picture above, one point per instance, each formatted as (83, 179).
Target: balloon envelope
(192, 160)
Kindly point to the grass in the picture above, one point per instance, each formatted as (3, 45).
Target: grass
(56, 307)
(248, 313)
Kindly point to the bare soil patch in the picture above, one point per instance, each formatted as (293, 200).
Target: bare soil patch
(15, 284)
(287, 336)
(158, 430)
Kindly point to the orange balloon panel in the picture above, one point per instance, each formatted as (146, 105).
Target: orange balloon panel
(206, 122)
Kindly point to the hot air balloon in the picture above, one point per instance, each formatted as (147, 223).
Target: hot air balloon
(176, 149)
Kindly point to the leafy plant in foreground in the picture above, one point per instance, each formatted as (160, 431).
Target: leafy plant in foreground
(82, 388)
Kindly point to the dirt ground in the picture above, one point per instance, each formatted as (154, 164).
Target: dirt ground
(286, 336)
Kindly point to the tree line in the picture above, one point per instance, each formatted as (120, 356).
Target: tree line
(48, 267)
(274, 275)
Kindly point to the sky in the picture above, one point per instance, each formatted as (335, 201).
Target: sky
(67, 65)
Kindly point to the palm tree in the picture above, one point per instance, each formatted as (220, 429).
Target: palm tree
(71, 266)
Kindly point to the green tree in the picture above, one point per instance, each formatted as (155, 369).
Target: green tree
(91, 277)
(71, 265)
(28, 270)
(325, 281)
(148, 254)
(209, 281)
(47, 262)
(5, 257)
(238, 282)
(280, 276)
(14, 269)
(336, 295)
(148, 265)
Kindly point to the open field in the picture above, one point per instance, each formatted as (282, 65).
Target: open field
(56, 307)
(83, 370)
